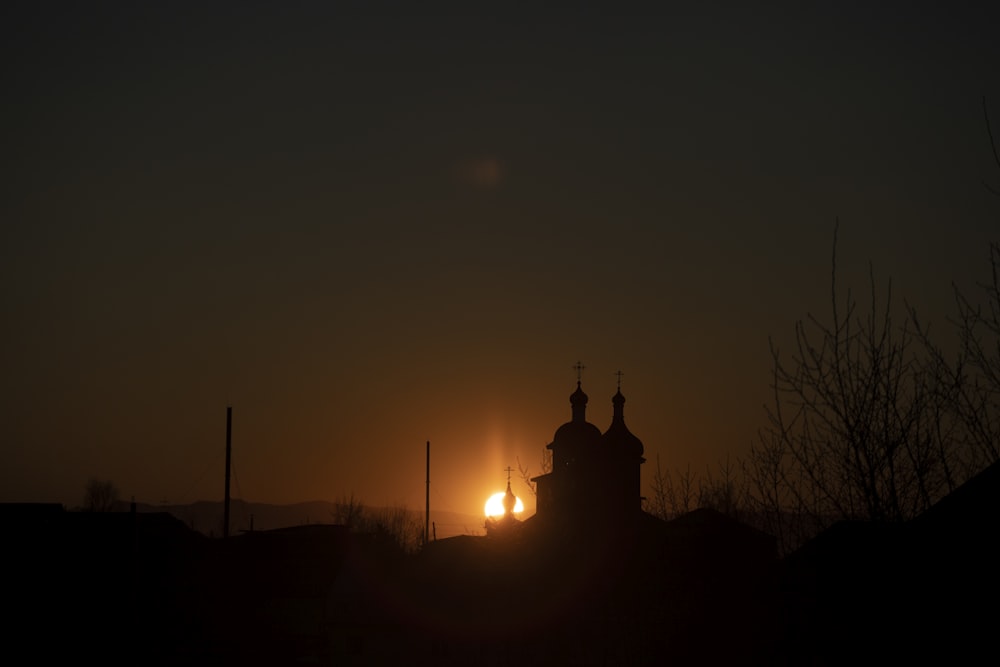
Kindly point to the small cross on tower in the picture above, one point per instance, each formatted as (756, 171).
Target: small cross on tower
(619, 374)
(579, 370)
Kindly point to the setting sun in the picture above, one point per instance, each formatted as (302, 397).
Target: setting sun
(494, 506)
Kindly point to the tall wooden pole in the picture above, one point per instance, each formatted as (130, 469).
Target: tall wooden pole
(427, 521)
(229, 453)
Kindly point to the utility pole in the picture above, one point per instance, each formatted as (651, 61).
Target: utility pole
(427, 498)
(229, 453)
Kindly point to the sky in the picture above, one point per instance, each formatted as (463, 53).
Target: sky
(366, 226)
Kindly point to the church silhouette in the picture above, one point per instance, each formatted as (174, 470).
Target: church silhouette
(595, 478)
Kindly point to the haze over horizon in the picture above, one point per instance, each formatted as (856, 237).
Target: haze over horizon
(366, 226)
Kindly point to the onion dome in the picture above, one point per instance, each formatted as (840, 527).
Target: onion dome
(578, 399)
(579, 429)
(509, 501)
(618, 437)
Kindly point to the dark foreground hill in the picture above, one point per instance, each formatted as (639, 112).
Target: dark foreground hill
(144, 588)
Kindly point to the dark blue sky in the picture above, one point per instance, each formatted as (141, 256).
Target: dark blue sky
(368, 225)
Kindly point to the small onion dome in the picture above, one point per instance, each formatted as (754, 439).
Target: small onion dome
(618, 437)
(578, 399)
(509, 501)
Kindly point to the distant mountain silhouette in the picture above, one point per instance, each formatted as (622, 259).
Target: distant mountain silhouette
(206, 516)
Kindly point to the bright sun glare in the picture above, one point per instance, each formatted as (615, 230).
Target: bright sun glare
(494, 506)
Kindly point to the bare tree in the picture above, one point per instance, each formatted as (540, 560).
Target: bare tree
(726, 489)
(348, 511)
(670, 497)
(100, 495)
(398, 525)
(659, 497)
(871, 420)
(772, 502)
(394, 525)
(969, 383)
(854, 425)
(993, 146)
(525, 472)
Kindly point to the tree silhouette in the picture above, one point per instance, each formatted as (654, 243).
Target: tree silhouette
(525, 472)
(874, 420)
(973, 377)
(100, 495)
(670, 497)
(993, 147)
(855, 426)
(395, 525)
